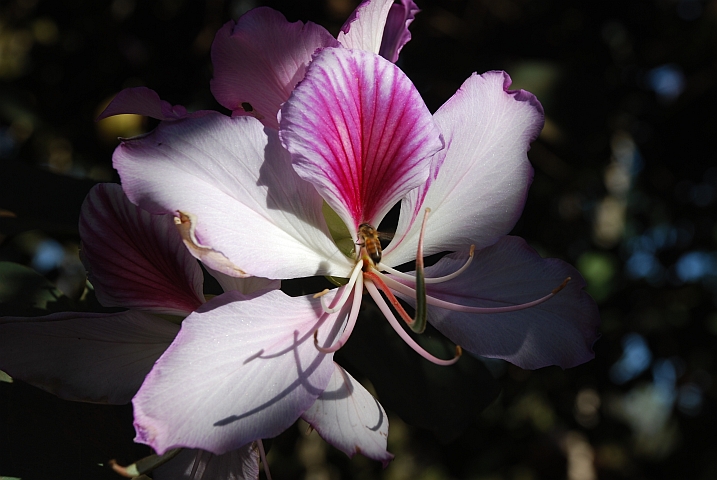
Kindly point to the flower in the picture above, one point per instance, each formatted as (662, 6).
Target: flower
(353, 139)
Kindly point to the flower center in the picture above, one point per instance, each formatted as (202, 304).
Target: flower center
(367, 273)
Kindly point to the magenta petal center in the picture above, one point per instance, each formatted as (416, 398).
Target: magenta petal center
(359, 131)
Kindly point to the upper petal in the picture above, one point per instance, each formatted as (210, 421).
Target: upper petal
(259, 59)
(347, 416)
(363, 30)
(396, 33)
(142, 101)
(136, 259)
(560, 331)
(90, 357)
(359, 131)
(250, 213)
(483, 174)
(242, 368)
(193, 464)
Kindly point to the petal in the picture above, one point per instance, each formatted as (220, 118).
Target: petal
(259, 60)
(247, 210)
(396, 33)
(136, 259)
(364, 28)
(90, 357)
(349, 418)
(483, 174)
(242, 368)
(245, 285)
(560, 331)
(192, 464)
(142, 101)
(359, 131)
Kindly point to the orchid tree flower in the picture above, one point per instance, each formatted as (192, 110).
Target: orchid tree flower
(354, 139)
(137, 261)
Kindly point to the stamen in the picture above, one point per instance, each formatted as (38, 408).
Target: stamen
(408, 291)
(376, 295)
(374, 277)
(344, 294)
(350, 323)
(445, 278)
(262, 455)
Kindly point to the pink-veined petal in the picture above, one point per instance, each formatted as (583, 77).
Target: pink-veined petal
(483, 174)
(560, 331)
(90, 357)
(363, 30)
(136, 259)
(192, 464)
(142, 101)
(242, 368)
(348, 417)
(259, 60)
(250, 213)
(359, 131)
(396, 33)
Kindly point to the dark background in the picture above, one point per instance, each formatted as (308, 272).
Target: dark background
(625, 189)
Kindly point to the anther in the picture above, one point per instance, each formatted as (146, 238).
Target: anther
(561, 286)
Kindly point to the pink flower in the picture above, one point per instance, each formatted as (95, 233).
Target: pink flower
(342, 137)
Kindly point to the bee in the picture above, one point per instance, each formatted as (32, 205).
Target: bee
(370, 238)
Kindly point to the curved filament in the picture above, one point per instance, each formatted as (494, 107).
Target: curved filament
(262, 455)
(410, 292)
(350, 323)
(386, 310)
(376, 278)
(445, 278)
(344, 294)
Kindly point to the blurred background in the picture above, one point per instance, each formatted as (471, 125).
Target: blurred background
(625, 189)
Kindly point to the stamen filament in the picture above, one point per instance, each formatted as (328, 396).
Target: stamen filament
(410, 292)
(344, 294)
(144, 465)
(380, 302)
(384, 268)
(350, 323)
(264, 463)
(374, 277)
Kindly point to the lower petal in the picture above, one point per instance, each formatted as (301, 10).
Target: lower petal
(347, 416)
(89, 357)
(242, 368)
